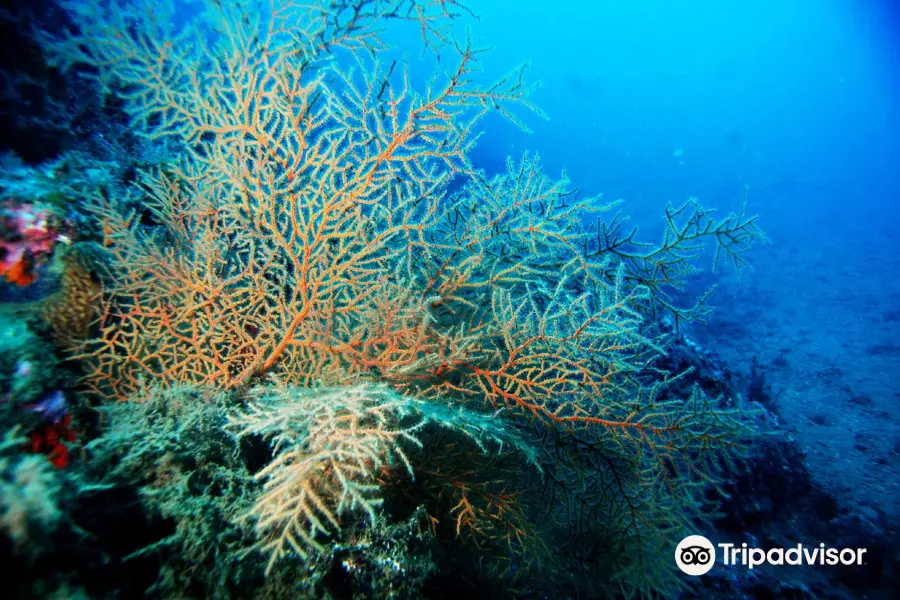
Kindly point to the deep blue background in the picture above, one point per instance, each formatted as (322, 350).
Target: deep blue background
(658, 100)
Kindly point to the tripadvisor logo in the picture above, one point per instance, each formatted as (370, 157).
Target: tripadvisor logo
(696, 555)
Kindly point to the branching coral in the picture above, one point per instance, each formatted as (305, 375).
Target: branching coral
(306, 188)
(171, 447)
(330, 447)
(308, 234)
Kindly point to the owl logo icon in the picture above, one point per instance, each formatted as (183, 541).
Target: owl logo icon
(695, 555)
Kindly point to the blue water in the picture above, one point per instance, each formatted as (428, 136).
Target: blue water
(763, 93)
(656, 101)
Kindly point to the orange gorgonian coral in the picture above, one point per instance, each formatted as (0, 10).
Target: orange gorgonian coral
(309, 231)
(291, 236)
